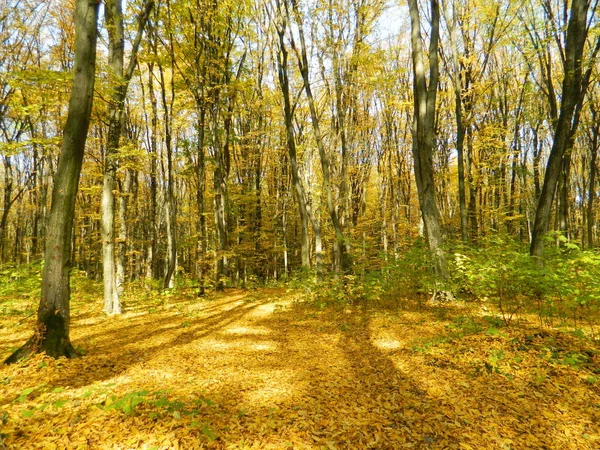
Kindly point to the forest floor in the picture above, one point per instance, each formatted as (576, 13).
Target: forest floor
(263, 370)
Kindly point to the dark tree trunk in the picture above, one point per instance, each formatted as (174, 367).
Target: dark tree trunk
(300, 194)
(201, 179)
(51, 332)
(572, 95)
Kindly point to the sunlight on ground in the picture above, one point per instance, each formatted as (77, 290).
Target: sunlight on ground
(241, 371)
(247, 330)
(266, 310)
(262, 346)
(387, 344)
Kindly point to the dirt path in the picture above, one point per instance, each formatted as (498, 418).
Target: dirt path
(248, 370)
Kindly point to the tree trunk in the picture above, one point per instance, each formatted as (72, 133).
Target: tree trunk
(201, 179)
(151, 248)
(220, 201)
(592, 186)
(53, 316)
(563, 195)
(423, 131)
(461, 128)
(342, 261)
(6, 204)
(120, 82)
(169, 194)
(122, 241)
(300, 194)
(572, 94)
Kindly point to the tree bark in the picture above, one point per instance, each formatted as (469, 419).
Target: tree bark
(572, 94)
(120, 82)
(51, 332)
(169, 194)
(423, 131)
(592, 183)
(342, 261)
(300, 193)
(122, 241)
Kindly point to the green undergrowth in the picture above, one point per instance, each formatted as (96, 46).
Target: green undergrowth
(562, 289)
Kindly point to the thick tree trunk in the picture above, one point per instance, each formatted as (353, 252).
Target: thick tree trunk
(423, 131)
(53, 317)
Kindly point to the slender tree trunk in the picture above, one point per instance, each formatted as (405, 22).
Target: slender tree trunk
(113, 13)
(473, 189)
(53, 316)
(122, 241)
(592, 192)
(516, 146)
(6, 204)
(341, 254)
(300, 194)
(461, 128)
(563, 197)
(201, 180)
(220, 193)
(153, 231)
(462, 196)
(169, 194)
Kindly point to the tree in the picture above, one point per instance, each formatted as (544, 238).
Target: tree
(51, 332)
(573, 92)
(423, 129)
(466, 68)
(341, 257)
(304, 206)
(120, 79)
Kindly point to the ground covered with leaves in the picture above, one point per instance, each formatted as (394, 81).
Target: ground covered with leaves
(264, 370)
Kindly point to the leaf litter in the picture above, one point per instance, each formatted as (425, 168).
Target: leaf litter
(260, 370)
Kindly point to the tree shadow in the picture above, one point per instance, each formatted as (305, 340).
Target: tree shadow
(451, 399)
(321, 378)
(118, 348)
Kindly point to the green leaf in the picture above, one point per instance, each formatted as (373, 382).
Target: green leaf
(492, 331)
(24, 394)
(208, 432)
(27, 413)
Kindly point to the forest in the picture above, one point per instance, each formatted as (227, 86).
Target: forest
(337, 224)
